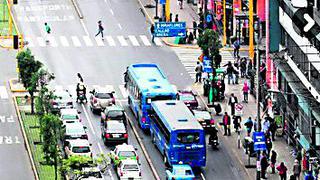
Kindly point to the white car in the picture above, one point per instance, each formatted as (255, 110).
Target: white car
(63, 100)
(75, 131)
(129, 169)
(79, 147)
(90, 173)
(100, 98)
(69, 116)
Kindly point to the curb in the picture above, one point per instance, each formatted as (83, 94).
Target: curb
(26, 142)
(156, 175)
(13, 89)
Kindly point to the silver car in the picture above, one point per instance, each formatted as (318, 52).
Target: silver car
(101, 98)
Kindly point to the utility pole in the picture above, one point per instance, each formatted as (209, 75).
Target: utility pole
(224, 23)
(157, 17)
(251, 30)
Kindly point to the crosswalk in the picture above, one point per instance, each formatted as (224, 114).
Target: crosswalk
(3, 92)
(88, 41)
(189, 58)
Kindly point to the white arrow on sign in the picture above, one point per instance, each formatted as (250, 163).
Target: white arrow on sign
(310, 22)
(180, 34)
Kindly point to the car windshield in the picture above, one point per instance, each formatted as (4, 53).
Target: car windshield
(103, 95)
(69, 116)
(188, 138)
(127, 154)
(77, 130)
(131, 167)
(81, 149)
(186, 97)
(115, 114)
(186, 172)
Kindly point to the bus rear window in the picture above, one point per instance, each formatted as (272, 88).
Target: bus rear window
(188, 138)
(149, 100)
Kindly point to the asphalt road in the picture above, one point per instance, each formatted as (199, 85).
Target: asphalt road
(14, 160)
(103, 65)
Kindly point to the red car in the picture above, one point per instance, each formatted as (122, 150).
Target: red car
(189, 98)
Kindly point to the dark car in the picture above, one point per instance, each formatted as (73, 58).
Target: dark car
(114, 113)
(189, 98)
(205, 119)
(114, 132)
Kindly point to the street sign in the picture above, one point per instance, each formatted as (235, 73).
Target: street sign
(259, 141)
(207, 67)
(238, 109)
(162, 1)
(209, 18)
(170, 29)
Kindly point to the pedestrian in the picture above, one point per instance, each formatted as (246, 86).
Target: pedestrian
(236, 122)
(232, 102)
(100, 29)
(236, 48)
(170, 17)
(282, 171)
(199, 70)
(309, 176)
(264, 165)
(273, 161)
(243, 67)
(273, 126)
(236, 73)
(180, 2)
(296, 169)
(48, 31)
(217, 60)
(248, 123)
(269, 146)
(230, 71)
(245, 91)
(177, 18)
(80, 77)
(190, 38)
(226, 124)
(265, 126)
(152, 32)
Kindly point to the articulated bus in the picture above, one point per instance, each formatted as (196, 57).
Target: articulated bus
(177, 134)
(146, 83)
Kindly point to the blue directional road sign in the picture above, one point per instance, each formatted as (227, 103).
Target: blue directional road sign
(170, 29)
(259, 141)
(207, 65)
(162, 1)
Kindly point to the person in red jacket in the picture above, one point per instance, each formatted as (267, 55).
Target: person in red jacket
(226, 120)
(282, 171)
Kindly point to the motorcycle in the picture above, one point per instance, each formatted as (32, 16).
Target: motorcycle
(82, 97)
(213, 139)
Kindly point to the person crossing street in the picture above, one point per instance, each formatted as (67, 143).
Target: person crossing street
(152, 32)
(199, 70)
(48, 31)
(100, 29)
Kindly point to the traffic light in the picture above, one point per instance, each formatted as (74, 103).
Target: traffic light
(15, 1)
(15, 42)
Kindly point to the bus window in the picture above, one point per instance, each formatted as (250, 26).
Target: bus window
(188, 138)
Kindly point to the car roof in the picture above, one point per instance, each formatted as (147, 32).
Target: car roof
(181, 166)
(69, 111)
(129, 161)
(90, 169)
(125, 147)
(79, 142)
(75, 125)
(103, 90)
(203, 114)
(114, 108)
(111, 122)
(185, 92)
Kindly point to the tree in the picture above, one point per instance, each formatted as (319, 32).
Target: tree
(28, 66)
(50, 126)
(45, 95)
(209, 43)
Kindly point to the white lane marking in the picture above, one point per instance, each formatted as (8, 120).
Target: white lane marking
(110, 88)
(119, 25)
(145, 40)
(134, 40)
(41, 41)
(202, 176)
(99, 41)
(84, 27)
(64, 41)
(100, 148)
(110, 41)
(87, 41)
(157, 41)
(30, 42)
(123, 91)
(76, 41)
(111, 12)
(123, 42)
(3, 92)
(88, 118)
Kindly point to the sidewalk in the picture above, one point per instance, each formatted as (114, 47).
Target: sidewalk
(279, 145)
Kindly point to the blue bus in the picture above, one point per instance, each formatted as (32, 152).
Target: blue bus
(146, 83)
(177, 134)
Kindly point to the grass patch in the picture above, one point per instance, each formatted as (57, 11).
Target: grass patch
(4, 20)
(46, 172)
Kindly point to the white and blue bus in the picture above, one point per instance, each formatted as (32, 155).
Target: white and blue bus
(146, 83)
(177, 134)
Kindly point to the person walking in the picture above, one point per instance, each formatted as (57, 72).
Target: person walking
(176, 19)
(296, 169)
(282, 171)
(243, 67)
(229, 72)
(236, 48)
(199, 70)
(100, 29)
(48, 31)
(232, 102)
(152, 32)
(273, 161)
(180, 2)
(245, 91)
(264, 165)
(226, 124)
(249, 124)
(265, 126)
(217, 60)
(236, 122)
(269, 146)
(273, 126)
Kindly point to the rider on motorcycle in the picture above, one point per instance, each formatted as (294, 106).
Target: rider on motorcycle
(213, 134)
(81, 88)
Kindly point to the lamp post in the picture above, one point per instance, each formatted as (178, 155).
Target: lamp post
(156, 17)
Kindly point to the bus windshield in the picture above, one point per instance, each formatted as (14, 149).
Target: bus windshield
(188, 138)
